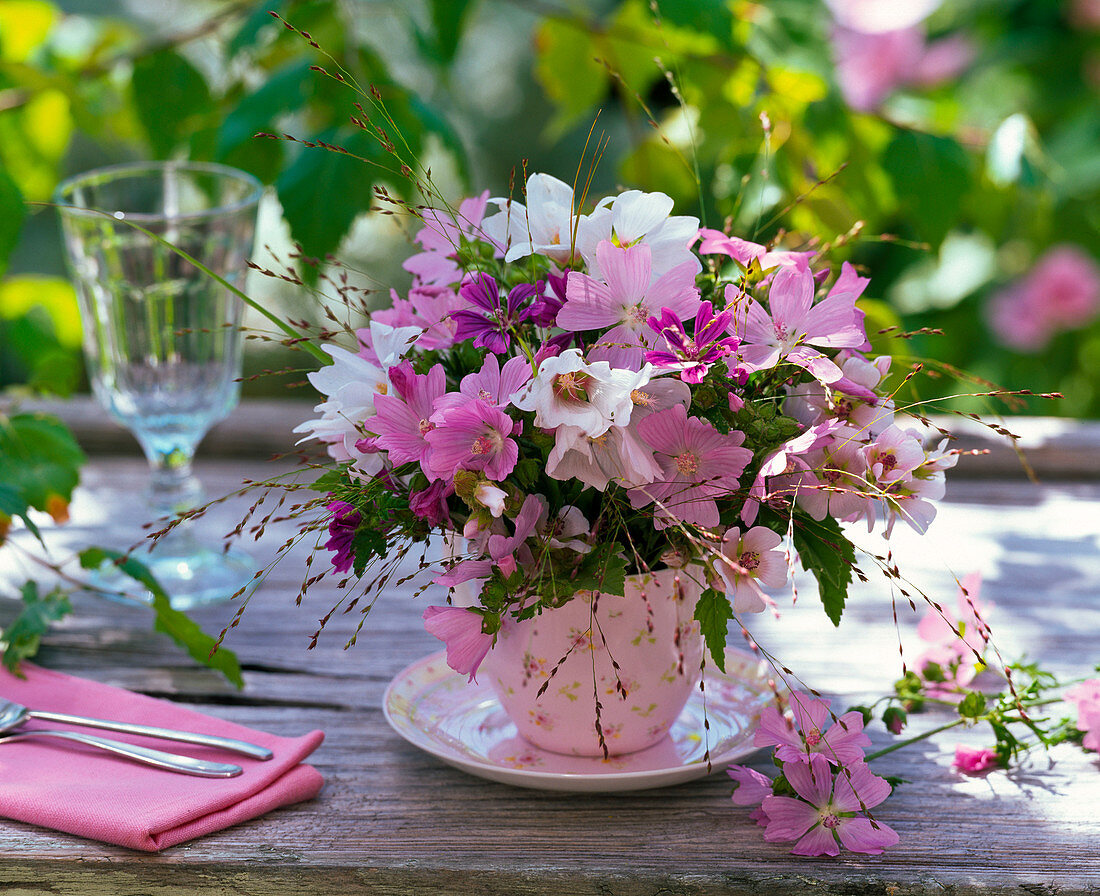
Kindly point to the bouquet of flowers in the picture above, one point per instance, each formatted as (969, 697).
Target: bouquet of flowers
(587, 396)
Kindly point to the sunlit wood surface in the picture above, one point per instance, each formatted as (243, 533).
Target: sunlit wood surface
(393, 820)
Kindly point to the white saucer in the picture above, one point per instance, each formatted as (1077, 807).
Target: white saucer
(434, 708)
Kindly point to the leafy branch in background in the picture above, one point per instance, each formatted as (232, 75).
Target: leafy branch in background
(39, 469)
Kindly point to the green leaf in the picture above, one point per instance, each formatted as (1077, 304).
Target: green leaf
(931, 176)
(171, 622)
(39, 459)
(170, 95)
(285, 90)
(21, 639)
(603, 569)
(441, 41)
(826, 553)
(344, 182)
(972, 705)
(711, 16)
(12, 213)
(713, 612)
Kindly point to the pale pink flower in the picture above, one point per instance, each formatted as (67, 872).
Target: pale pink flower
(851, 398)
(752, 559)
(472, 436)
(828, 814)
(625, 299)
(971, 761)
(810, 731)
(1086, 697)
(715, 242)
(786, 472)
(428, 308)
(842, 491)
(634, 218)
(384, 345)
(698, 464)
(462, 631)
(491, 497)
(752, 788)
(441, 238)
(619, 455)
(502, 549)
(795, 325)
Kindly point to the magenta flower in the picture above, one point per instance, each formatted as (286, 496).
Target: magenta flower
(430, 504)
(795, 325)
(625, 302)
(472, 436)
(698, 462)
(976, 762)
(812, 732)
(402, 421)
(828, 813)
(427, 307)
(341, 534)
(496, 385)
(692, 355)
(490, 324)
(463, 632)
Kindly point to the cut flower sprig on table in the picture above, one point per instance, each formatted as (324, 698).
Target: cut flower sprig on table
(582, 397)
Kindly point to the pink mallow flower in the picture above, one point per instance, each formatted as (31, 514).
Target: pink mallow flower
(795, 325)
(1086, 697)
(954, 643)
(472, 436)
(401, 421)
(502, 548)
(812, 732)
(752, 788)
(625, 300)
(748, 560)
(828, 812)
(441, 237)
(971, 761)
(462, 630)
(1061, 292)
(714, 242)
(698, 462)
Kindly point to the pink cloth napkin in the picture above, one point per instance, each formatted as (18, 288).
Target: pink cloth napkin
(88, 792)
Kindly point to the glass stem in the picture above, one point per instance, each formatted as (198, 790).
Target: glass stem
(173, 487)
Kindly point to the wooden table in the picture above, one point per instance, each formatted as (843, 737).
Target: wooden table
(394, 820)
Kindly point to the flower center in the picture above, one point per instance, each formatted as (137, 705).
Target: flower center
(382, 388)
(833, 476)
(687, 463)
(426, 427)
(484, 395)
(750, 560)
(641, 398)
(842, 408)
(637, 315)
(813, 737)
(888, 460)
(829, 820)
(483, 445)
(572, 386)
(781, 332)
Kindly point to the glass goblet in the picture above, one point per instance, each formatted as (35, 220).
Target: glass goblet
(162, 338)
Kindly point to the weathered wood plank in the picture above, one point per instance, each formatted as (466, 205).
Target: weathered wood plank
(394, 820)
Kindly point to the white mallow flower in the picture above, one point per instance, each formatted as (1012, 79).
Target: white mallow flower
(634, 218)
(618, 456)
(567, 391)
(544, 226)
(390, 344)
(350, 383)
(488, 495)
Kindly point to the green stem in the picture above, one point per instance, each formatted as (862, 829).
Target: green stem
(913, 740)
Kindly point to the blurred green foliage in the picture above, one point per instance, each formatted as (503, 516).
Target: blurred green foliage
(946, 193)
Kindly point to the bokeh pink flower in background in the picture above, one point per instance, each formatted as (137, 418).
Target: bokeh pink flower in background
(1060, 292)
(880, 47)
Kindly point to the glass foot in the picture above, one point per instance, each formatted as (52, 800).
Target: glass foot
(192, 575)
